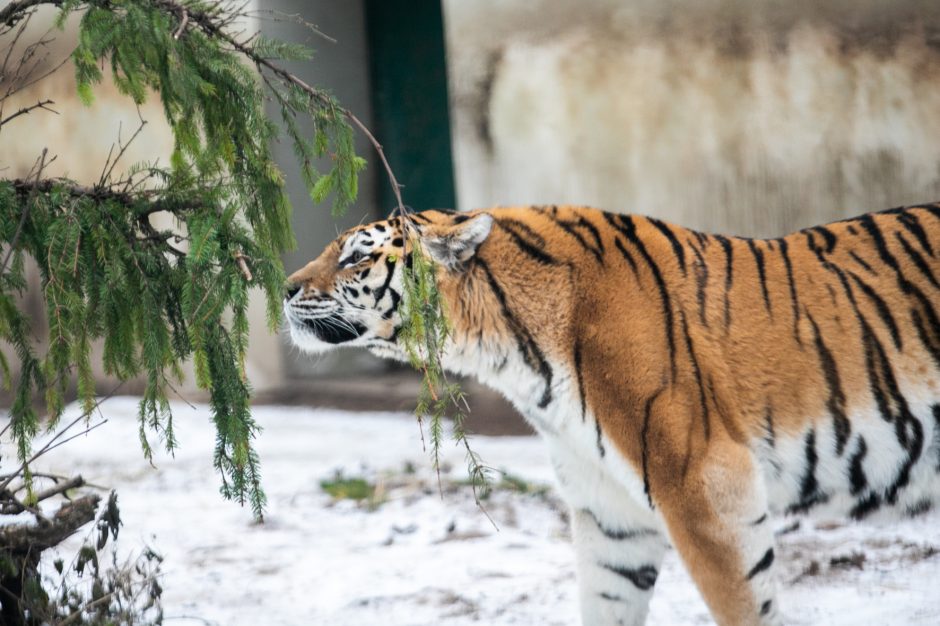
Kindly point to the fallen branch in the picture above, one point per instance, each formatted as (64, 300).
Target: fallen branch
(23, 538)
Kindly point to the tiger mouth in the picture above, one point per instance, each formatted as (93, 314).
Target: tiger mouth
(334, 328)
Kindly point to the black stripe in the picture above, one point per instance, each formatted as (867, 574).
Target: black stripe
(893, 408)
(535, 251)
(765, 607)
(912, 224)
(923, 333)
(865, 506)
(676, 245)
(390, 271)
(586, 224)
(577, 373)
(396, 298)
(609, 218)
(701, 283)
(770, 437)
(761, 273)
(930, 208)
(828, 235)
(647, 413)
(857, 478)
(918, 260)
(619, 534)
(571, 229)
(760, 520)
(809, 486)
(935, 409)
(524, 228)
(862, 262)
(729, 276)
(527, 344)
(628, 228)
(794, 301)
(706, 426)
(626, 254)
(884, 312)
(643, 577)
(611, 597)
(836, 402)
(919, 508)
(762, 565)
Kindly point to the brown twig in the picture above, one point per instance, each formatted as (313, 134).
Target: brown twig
(183, 23)
(122, 148)
(15, 11)
(51, 444)
(25, 110)
(243, 266)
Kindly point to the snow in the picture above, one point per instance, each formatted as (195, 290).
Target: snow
(420, 558)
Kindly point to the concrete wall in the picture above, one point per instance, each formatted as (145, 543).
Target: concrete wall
(753, 117)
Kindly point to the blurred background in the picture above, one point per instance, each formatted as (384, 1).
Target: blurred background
(750, 117)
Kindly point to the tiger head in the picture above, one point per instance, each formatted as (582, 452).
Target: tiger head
(350, 294)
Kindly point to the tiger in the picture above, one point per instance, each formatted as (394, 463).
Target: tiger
(688, 386)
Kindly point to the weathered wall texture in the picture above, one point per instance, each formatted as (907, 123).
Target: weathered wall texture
(754, 118)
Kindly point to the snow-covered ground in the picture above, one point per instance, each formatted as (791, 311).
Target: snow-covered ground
(418, 558)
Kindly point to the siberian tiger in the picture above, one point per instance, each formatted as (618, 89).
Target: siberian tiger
(687, 385)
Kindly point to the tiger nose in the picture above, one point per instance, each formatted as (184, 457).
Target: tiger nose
(291, 290)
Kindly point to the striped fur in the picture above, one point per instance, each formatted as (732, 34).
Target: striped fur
(686, 384)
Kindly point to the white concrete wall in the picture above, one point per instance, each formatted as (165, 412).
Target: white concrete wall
(754, 118)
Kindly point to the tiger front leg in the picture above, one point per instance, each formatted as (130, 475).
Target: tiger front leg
(618, 563)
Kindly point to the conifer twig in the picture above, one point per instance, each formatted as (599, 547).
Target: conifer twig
(23, 216)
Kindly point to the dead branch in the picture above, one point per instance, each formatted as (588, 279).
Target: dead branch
(243, 266)
(23, 538)
(25, 110)
(12, 13)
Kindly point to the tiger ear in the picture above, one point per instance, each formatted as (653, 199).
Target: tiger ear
(452, 245)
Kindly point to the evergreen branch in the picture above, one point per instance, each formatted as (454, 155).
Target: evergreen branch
(25, 110)
(23, 216)
(210, 27)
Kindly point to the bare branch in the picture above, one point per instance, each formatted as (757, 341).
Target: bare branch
(25, 110)
(12, 13)
(51, 444)
(22, 538)
(183, 23)
(243, 266)
(122, 148)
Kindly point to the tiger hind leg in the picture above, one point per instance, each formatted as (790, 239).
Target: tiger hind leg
(717, 521)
